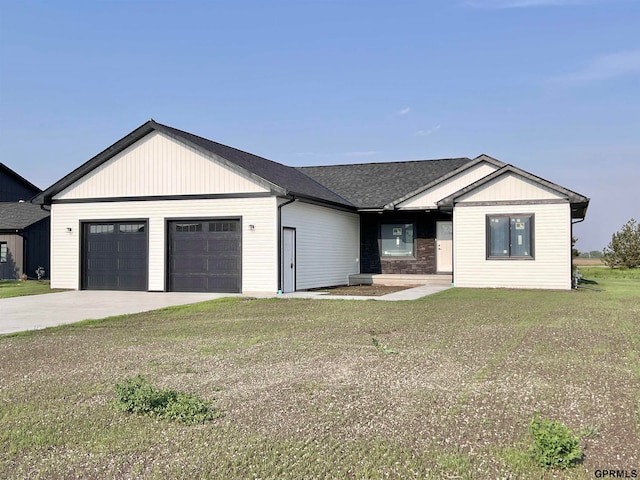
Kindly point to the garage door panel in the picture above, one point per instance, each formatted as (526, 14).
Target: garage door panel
(115, 256)
(205, 256)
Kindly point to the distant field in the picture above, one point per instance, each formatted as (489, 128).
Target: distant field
(446, 391)
(588, 261)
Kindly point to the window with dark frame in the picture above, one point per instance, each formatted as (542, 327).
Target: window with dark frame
(397, 239)
(101, 228)
(132, 228)
(188, 227)
(510, 236)
(3, 252)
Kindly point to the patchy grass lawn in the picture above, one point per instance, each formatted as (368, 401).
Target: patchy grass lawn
(305, 393)
(17, 288)
(366, 290)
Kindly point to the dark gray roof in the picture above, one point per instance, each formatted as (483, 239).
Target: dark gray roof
(374, 185)
(19, 215)
(289, 178)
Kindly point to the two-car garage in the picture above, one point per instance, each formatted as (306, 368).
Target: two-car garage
(203, 255)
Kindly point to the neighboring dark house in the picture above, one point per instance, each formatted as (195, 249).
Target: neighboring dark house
(24, 228)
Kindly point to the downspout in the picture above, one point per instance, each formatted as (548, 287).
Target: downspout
(293, 199)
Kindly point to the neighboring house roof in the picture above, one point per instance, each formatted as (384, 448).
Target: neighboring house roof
(287, 180)
(16, 216)
(14, 187)
(579, 203)
(374, 185)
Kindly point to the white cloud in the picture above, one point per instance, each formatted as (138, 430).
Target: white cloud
(404, 111)
(528, 3)
(424, 133)
(602, 68)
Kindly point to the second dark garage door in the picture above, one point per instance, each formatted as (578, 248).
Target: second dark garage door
(205, 256)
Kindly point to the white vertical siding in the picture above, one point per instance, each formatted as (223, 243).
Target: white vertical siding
(259, 247)
(327, 244)
(510, 187)
(428, 198)
(160, 165)
(551, 268)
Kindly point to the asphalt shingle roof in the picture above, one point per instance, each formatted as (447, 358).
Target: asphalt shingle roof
(289, 178)
(373, 185)
(19, 215)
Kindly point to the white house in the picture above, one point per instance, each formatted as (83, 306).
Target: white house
(165, 210)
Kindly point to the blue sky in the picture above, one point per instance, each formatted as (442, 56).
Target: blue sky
(551, 86)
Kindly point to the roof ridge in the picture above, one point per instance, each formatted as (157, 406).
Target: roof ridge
(385, 163)
(218, 143)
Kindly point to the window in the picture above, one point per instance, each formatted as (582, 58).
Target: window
(397, 239)
(188, 227)
(132, 228)
(222, 226)
(3, 252)
(101, 228)
(510, 236)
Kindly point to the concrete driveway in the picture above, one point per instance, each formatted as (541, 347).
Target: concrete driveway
(40, 311)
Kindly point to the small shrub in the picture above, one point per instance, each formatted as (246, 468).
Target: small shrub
(137, 395)
(382, 347)
(555, 446)
(189, 409)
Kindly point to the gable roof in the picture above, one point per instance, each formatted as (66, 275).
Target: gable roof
(374, 185)
(19, 215)
(14, 187)
(283, 179)
(579, 203)
(452, 173)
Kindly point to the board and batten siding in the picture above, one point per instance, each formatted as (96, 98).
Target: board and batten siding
(550, 268)
(259, 246)
(159, 164)
(429, 197)
(510, 186)
(327, 244)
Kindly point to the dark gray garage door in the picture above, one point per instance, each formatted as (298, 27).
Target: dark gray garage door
(205, 256)
(115, 256)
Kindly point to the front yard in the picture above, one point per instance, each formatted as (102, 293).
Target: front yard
(306, 394)
(18, 288)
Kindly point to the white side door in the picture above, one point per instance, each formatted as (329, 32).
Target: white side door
(444, 247)
(288, 260)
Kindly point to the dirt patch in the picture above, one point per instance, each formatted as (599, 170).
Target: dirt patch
(366, 290)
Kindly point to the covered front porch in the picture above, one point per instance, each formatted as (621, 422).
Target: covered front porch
(414, 244)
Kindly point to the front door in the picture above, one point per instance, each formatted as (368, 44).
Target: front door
(288, 260)
(444, 247)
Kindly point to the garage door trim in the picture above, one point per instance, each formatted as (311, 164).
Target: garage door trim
(170, 220)
(83, 245)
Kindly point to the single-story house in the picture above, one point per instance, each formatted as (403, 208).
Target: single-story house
(24, 228)
(166, 210)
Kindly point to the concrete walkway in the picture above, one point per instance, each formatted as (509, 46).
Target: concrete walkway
(408, 294)
(41, 311)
